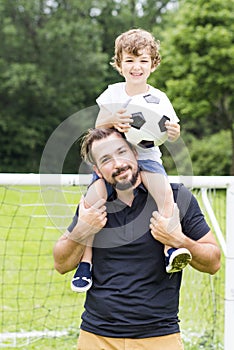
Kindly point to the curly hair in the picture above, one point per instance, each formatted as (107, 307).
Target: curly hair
(133, 42)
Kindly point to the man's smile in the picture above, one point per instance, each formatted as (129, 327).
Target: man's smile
(121, 171)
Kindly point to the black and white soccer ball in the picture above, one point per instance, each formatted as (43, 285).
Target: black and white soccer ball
(148, 120)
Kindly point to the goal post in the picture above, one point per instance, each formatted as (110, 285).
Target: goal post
(36, 302)
(229, 289)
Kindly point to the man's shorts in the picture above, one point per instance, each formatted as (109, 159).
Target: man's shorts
(90, 341)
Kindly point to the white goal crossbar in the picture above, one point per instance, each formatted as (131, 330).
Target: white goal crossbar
(192, 182)
(25, 179)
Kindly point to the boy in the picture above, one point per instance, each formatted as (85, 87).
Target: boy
(136, 57)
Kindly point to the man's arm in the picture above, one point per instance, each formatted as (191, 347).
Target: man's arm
(70, 247)
(205, 251)
(67, 253)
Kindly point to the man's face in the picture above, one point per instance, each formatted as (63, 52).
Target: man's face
(115, 162)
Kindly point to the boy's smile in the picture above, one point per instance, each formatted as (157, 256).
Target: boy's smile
(136, 69)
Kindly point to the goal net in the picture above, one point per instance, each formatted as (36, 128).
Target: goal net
(37, 304)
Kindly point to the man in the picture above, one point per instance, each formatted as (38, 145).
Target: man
(133, 303)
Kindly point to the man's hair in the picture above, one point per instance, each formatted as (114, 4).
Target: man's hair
(133, 42)
(95, 135)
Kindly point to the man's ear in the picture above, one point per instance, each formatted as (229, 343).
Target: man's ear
(135, 153)
(95, 168)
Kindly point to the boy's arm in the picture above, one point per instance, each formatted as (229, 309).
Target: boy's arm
(104, 119)
(70, 247)
(118, 120)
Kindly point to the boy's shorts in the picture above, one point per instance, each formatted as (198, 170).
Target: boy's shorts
(151, 166)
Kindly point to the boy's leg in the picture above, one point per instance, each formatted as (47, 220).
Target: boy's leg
(82, 279)
(160, 189)
(96, 191)
(87, 256)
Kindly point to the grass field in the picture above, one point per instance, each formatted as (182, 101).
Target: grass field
(34, 297)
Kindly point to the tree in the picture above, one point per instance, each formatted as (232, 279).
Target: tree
(115, 17)
(55, 57)
(51, 64)
(209, 156)
(197, 68)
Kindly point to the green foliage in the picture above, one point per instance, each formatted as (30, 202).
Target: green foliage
(197, 69)
(55, 58)
(210, 156)
(51, 64)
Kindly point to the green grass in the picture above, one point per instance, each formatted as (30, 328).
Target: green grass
(202, 295)
(33, 296)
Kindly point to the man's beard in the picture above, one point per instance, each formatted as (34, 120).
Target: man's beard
(122, 186)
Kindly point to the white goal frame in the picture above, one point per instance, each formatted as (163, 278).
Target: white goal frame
(192, 182)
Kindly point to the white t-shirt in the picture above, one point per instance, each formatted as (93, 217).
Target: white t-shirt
(115, 97)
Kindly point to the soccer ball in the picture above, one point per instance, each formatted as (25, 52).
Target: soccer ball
(148, 120)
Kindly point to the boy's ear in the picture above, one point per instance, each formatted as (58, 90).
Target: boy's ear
(95, 168)
(153, 69)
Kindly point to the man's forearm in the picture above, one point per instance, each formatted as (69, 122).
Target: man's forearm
(205, 251)
(70, 247)
(67, 254)
(205, 254)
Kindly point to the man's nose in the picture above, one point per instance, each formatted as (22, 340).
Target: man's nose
(118, 161)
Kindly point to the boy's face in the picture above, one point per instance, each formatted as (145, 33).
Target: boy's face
(136, 69)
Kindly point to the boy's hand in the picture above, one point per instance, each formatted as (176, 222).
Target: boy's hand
(121, 121)
(173, 130)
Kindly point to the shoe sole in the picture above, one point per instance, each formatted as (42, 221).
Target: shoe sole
(179, 260)
(80, 289)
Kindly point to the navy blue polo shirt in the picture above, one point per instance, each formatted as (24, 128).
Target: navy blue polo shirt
(132, 296)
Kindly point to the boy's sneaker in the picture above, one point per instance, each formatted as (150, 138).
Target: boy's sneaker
(177, 259)
(82, 280)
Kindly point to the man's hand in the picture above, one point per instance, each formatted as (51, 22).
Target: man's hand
(167, 230)
(90, 221)
(205, 251)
